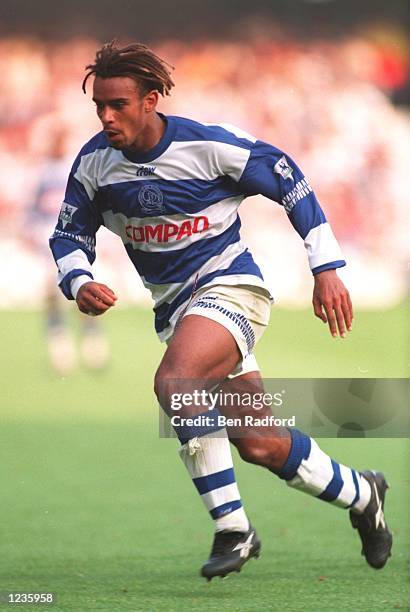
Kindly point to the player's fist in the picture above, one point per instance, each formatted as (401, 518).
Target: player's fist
(95, 298)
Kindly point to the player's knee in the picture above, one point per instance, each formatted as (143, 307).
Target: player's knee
(159, 385)
(165, 385)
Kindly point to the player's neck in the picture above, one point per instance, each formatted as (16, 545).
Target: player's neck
(150, 135)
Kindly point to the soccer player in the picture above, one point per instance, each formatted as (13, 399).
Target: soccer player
(170, 188)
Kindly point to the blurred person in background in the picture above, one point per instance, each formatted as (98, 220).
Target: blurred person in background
(61, 347)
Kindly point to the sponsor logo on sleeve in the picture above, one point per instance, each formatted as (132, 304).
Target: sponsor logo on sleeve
(151, 200)
(87, 241)
(300, 191)
(66, 214)
(282, 167)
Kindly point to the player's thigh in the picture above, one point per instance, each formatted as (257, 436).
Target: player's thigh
(245, 396)
(200, 349)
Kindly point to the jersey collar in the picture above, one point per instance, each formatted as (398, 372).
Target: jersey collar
(160, 147)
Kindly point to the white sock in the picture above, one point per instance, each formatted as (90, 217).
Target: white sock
(311, 470)
(208, 460)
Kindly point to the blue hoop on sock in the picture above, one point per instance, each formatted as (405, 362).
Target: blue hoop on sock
(299, 450)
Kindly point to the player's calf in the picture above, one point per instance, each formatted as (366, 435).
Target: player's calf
(270, 452)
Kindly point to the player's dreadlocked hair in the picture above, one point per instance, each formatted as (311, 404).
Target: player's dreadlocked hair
(135, 61)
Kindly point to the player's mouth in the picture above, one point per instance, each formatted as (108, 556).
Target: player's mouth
(112, 134)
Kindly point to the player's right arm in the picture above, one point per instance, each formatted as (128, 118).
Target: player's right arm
(73, 242)
(95, 298)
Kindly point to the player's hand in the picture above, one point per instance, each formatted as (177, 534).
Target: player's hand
(94, 298)
(331, 303)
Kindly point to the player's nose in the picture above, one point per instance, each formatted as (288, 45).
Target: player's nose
(107, 117)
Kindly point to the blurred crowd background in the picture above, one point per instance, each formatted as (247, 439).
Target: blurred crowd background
(336, 104)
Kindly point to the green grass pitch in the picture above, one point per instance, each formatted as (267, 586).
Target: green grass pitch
(99, 510)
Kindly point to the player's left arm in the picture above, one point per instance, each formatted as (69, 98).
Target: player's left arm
(332, 303)
(275, 175)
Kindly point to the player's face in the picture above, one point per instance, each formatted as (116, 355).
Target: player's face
(122, 110)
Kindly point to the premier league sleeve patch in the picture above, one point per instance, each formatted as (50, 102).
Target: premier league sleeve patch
(282, 167)
(66, 213)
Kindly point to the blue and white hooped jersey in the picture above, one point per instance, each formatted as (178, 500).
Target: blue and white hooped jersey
(175, 208)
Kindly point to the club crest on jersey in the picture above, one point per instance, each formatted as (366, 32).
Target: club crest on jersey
(66, 214)
(151, 199)
(282, 167)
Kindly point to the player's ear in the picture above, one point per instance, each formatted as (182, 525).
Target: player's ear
(151, 100)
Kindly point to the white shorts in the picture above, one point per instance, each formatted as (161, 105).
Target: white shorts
(243, 310)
